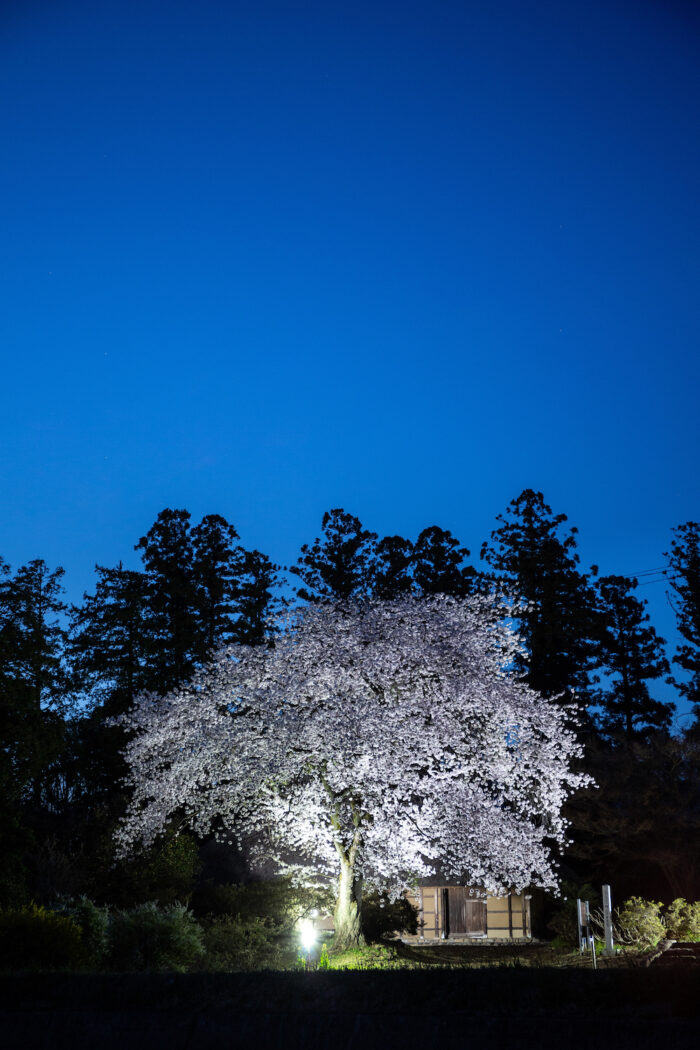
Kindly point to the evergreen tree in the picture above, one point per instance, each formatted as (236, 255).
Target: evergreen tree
(172, 622)
(33, 675)
(391, 572)
(338, 565)
(558, 624)
(684, 561)
(257, 579)
(33, 696)
(35, 636)
(111, 651)
(109, 639)
(216, 566)
(630, 654)
(438, 564)
(639, 826)
(14, 835)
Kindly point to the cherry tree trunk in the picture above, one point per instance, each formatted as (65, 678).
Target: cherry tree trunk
(347, 916)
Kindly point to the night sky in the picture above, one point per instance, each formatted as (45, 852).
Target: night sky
(263, 259)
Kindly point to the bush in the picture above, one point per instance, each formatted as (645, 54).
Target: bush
(682, 920)
(94, 926)
(277, 900)
(152, 938)
(370, 957)
(381, 917)
(236, 943)
(33, 938)
(639, 923)
(324, 962)
(164, 873)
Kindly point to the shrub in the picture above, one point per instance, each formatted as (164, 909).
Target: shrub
(381, 917)
(152, 938)
(164, 873)
(277, 900)
(93, 923)
(370, 957)
(235, 943)
(639, 923)
(682, 920)
(324, 962)
(33, 938)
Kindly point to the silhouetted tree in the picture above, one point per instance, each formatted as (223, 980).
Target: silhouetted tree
(33, 698)
(338, 564)
(630, 653)
(438, 564)
(540, 565)
(111, 650)
(110, 647)
(391, 572)
(639, 828)
(33, 611)
(172, 609)
(684, 561)
(257, 581)
(33, 675)
(216, 565)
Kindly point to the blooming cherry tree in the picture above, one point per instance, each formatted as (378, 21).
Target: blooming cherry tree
(373, 743)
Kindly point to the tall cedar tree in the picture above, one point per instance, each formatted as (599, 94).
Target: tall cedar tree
(140, 630)
(558, 624)
(438, 564)
(630, 653)
(215, 570)
(33, 672)
(236, 588)
(109, 643)
(172, 626)
(348, 562)
(339, 564)
(391, 574)
(257, 581)
(33, 687)
(110, 651)
(684, 562)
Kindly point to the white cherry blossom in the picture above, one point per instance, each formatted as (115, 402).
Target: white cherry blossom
(375, 743)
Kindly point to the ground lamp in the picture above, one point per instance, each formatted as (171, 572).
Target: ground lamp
(307, 934)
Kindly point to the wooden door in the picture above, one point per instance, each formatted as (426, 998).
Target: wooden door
(462, 915)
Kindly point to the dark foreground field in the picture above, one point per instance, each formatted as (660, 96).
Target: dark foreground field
(448, 1009)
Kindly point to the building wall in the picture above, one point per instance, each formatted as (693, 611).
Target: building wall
(507, 918)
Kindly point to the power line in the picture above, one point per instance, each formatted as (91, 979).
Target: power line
(650, 572)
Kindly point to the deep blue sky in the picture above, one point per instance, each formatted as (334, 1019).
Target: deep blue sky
(262, 259)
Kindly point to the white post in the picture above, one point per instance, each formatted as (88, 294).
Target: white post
(607, 920)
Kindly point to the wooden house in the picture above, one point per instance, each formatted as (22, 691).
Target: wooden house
(458, 914)
(449, 912)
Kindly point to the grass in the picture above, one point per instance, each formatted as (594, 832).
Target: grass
(395, 955)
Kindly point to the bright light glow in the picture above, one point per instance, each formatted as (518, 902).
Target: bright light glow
(308, 934)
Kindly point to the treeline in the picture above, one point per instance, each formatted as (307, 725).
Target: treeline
(67, 671)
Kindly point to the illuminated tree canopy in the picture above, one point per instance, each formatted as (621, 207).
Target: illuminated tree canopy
(375, 743)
